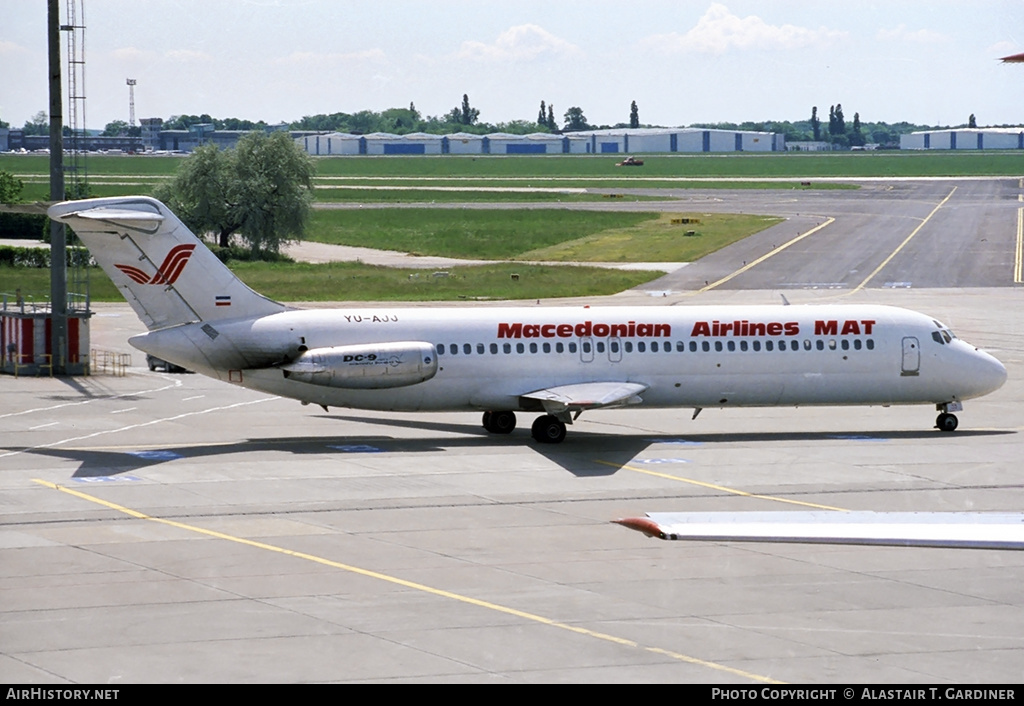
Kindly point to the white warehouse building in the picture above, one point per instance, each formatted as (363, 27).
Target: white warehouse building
(964, 138)
(611, 141)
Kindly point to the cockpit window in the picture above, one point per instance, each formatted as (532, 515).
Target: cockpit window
(937, 336)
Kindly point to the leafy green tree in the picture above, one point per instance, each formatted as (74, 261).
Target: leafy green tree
(815, 123)
(261, 191)
(115, 128)
(857, 137)
(469, 114)
(971, 121)
(542, 116)
(575, 119)
(634, 115)
(39, 124)
(10, 187)
(840, 120)
(551, 118)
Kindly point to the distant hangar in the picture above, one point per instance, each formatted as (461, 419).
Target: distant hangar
(963, 138)
(612, 141)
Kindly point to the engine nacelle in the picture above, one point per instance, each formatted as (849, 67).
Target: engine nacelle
(371, 366)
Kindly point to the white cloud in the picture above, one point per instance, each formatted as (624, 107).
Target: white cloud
(719, 31)
(188, 56)
(133, 54)
(902, 34)
(520, 43)
(313, 59)
(11, 48)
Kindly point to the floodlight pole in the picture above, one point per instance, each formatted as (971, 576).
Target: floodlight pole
(58, 265)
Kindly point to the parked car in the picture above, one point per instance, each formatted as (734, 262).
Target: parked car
(153, 362)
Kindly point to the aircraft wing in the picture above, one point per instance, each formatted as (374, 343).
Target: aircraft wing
(965, 530)
(587, 395)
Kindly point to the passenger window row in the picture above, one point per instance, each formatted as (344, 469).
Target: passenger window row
(601, 346)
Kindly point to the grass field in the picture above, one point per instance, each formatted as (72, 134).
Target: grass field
(557, 235)
(549, 234)
(537, 169)
(353, 281)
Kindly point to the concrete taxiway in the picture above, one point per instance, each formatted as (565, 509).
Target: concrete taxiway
(170, 528)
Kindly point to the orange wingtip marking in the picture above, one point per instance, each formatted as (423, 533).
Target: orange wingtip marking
(642, 524)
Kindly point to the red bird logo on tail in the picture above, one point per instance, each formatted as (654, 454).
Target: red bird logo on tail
(169, 270)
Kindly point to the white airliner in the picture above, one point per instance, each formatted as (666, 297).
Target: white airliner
(559, 362)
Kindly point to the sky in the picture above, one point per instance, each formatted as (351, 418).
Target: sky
(682, 61)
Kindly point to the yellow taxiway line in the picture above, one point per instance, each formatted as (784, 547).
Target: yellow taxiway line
(441, 593)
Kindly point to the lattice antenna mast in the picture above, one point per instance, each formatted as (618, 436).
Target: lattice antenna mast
(75, 29)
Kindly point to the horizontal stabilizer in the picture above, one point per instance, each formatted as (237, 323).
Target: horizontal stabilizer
(587, 395)
(116, 215)
(962, 530)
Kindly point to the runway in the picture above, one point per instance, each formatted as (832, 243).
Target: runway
(170, 528)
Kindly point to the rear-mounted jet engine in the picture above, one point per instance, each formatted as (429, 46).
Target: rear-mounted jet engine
(365, 367)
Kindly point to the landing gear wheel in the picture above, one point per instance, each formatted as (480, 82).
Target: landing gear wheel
(548, 430)
(946, 422)
(500, 422)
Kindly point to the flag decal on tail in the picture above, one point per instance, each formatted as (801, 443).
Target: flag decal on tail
(169, 270)
(223, 300)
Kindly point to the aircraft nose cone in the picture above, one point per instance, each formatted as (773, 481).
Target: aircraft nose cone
(988, 374)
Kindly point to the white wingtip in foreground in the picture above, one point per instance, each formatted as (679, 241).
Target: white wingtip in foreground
(959, 530)
(558, 361)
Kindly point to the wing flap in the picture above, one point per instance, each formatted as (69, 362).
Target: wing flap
(966, 530)
(587, 395)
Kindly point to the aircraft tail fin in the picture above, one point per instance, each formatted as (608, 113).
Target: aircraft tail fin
(164, 271)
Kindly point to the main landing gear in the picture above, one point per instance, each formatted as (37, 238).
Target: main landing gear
(546, 429)
(947, 421)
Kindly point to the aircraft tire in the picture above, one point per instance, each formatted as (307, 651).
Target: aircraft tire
(946, 422)
(502, 422)
(548, 430)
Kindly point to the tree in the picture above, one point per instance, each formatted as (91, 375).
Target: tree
(261, 190)
(575, 119)
(634, 115)
(551, 117)
(10, 187)
(468, 115)
(115, 128)
(857, 137)
(971, 122)
(815, 123)
(840, 121)
(542, 116)
(39, 124)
